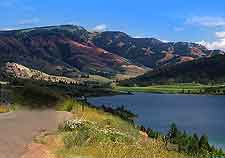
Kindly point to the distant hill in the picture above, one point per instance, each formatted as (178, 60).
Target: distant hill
(151, 52)
(62, 50)
(69, 50)
(205, 70)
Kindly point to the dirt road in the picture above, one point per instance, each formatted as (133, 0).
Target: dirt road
(19, 128)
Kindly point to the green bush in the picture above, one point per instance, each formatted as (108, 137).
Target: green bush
(34, 96)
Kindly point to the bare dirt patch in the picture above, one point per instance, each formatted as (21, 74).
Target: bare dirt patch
(18, 129)
(37, 151)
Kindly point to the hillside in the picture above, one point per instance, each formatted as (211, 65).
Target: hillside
(62, 50)
(69, 50)
(151, 52)
(205, 70)
(23, 72)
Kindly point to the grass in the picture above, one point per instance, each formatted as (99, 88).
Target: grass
(97, 134)
(175, 89)
(152, 149)
(99, 79)
(102, 119)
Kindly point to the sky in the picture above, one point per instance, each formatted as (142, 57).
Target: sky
(201, 21)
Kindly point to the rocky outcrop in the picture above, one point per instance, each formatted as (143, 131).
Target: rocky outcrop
(23, 72)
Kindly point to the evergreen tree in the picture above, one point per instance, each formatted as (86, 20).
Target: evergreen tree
(213, 150)
(204, 143)
(173, 132)
(193, 145)
(195, 136)
(184, 142)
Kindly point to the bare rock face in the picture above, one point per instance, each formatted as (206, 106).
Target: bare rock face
(23, 72)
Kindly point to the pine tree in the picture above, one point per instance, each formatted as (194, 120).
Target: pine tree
(173, 132)
(193, 145)
(204, 143)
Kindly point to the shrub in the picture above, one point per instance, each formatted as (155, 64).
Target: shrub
(34, 96)
(70, 105)
(76, 138)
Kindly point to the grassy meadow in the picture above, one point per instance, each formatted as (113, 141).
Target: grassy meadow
(177, 89)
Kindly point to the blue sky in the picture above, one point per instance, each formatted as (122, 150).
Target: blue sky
(171, 20)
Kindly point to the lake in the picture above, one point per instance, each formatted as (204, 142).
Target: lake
(201, 114)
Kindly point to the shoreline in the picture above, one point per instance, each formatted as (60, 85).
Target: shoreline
(212, 141)
(131, 90)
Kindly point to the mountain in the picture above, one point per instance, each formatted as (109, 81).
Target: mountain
(204, 70)
(70, 51)
(151, 52)
(62, 50)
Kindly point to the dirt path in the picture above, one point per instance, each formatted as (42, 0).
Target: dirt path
(18, 129)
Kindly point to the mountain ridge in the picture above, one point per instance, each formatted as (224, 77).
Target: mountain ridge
(69, 50)
(151, 51)
(204, 70)
(60, 50)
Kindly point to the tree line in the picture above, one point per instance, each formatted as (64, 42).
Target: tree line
(190, 144)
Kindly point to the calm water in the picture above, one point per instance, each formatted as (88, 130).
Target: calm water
(193, 113)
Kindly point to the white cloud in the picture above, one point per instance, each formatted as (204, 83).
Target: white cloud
(211, 22)
(29, 21)
(100, 28)
(9, 28)
(220, 34)
(207, 21)
(6, 29)
(164, 41)
(219, 43)
(139, 37)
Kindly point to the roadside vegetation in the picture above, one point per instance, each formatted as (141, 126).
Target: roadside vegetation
(94, 133)
(103, 133)
(26, 93)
